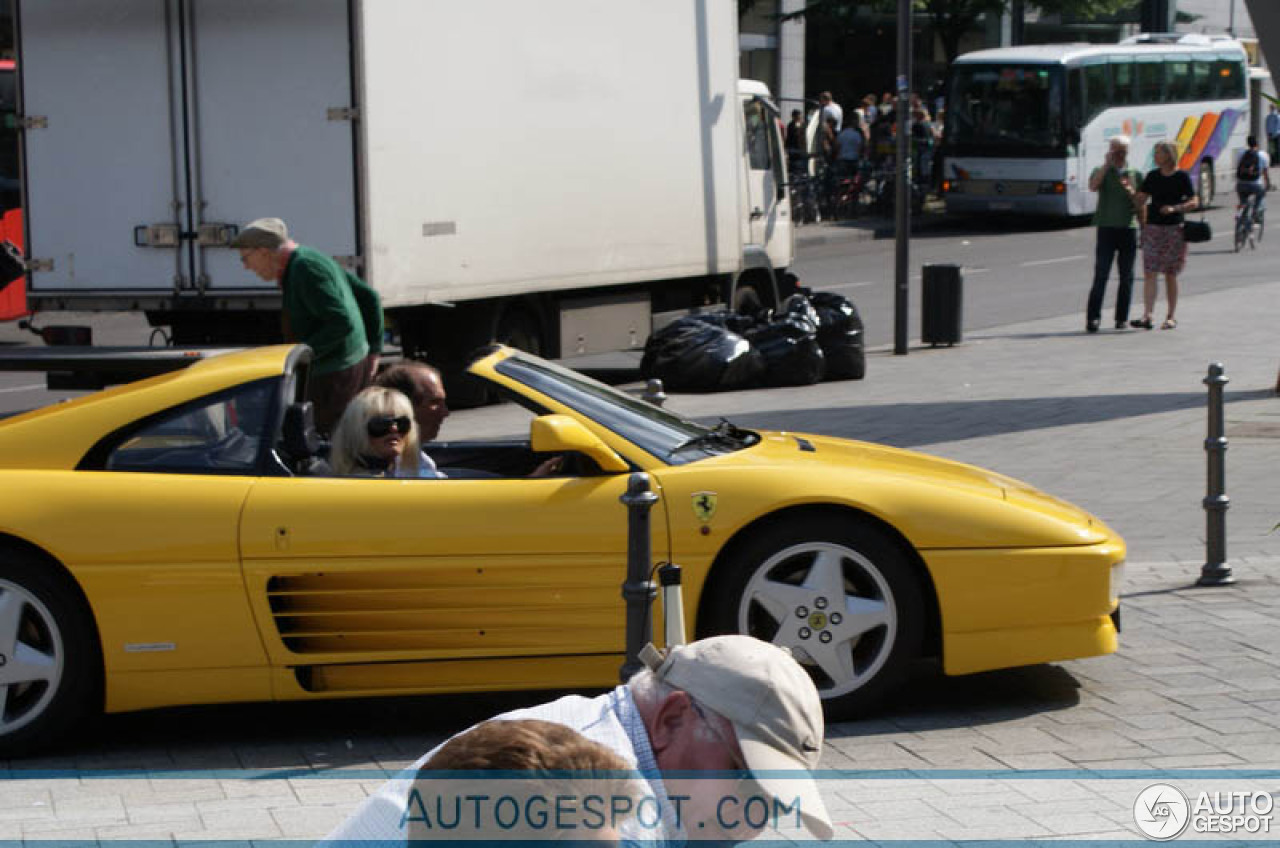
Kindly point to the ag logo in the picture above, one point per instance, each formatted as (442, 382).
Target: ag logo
(704, 505)
(1161, 811)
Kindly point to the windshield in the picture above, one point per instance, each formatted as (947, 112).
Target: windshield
(661, 433)
(1005, 110)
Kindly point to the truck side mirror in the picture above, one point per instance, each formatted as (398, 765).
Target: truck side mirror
(560, 433)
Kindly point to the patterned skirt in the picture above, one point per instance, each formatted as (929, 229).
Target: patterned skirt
(1164, 250)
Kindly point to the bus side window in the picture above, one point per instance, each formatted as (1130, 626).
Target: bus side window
(1076, 103)
(1228, 78)
(1096, 89)
(1177, 74)
(1201, 80)
(1122, 82)
(1150, 82)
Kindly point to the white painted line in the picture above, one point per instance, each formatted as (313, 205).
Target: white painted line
(1054, 261)
(22, 388)
(972, 271)
(854, 285)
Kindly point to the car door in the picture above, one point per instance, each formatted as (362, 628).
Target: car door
(421, 584)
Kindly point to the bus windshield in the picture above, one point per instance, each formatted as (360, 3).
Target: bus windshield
(1005, 110)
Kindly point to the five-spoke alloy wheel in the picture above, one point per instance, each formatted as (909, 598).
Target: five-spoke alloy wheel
(50, 666)
(840, 596)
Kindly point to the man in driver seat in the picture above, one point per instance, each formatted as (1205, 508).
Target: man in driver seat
(422, 384)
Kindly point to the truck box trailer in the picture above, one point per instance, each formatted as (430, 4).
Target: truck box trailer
(551, 175)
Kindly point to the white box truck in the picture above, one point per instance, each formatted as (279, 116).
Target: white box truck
(548, 174)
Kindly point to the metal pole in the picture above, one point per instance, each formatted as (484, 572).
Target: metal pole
(902, 208)
(653, 393)
(1216, 571)
(638, 590)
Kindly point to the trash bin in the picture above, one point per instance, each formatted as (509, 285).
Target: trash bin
(941, 307)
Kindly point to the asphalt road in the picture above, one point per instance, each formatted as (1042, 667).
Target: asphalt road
(1014, 270)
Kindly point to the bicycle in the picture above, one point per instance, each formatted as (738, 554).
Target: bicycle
(1250, 223)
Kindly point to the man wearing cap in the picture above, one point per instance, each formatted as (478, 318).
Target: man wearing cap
(728, 705)
(320, 309)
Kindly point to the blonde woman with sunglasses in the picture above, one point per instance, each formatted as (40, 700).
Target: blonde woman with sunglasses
(376, 437)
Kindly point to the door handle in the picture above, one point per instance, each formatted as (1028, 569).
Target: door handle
(757, 213)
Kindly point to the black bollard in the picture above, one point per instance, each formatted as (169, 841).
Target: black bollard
(1216, 571)
(638, 590)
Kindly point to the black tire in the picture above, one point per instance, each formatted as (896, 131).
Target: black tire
(1241, 232)
(471, 329)
(771, 585)
(1205, 187)
(51, 673)
(519, 327)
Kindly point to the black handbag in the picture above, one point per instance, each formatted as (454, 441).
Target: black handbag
(1196, 231)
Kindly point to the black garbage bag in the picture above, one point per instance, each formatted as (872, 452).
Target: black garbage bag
(698, 353)
(840, 336)
(789, 344)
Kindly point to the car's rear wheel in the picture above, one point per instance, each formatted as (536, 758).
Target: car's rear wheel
(49, 662)
(839, 594)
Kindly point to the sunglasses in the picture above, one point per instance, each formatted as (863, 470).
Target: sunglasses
(381, 426)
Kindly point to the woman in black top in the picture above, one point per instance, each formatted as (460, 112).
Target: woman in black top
(1166, 193)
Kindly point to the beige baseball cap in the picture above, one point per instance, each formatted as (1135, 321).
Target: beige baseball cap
(774, 707)
(264, 232)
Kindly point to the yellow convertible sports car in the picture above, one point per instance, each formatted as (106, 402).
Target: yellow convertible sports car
(171, 542)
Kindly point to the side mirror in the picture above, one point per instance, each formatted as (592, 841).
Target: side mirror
(559, 433)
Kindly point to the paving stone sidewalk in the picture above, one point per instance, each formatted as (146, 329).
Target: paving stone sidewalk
(1113, 421)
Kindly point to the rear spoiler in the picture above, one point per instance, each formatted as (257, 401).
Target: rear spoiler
(98, 367)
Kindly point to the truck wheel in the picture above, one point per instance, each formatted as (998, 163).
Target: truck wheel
(839, 594)
(50, 665)
(519, 327)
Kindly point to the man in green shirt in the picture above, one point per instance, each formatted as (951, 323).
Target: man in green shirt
(1115, 184)
(320, 309)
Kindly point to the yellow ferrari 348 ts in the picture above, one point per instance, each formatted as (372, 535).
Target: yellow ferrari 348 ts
(169, 542)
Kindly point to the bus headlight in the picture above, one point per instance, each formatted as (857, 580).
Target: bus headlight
(1053, 188)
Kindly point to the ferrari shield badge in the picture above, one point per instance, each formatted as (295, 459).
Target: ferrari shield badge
(704, 505)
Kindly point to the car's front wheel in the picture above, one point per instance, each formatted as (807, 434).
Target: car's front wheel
(840, 595)
(49, 665)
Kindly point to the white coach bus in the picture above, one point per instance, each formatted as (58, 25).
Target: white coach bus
(1025, 126)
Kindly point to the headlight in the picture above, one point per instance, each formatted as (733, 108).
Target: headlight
(1117, 578)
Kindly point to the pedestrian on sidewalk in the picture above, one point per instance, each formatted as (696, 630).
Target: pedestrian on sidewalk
(1166, 195)
(1116, 219)
(1273, 132)
(831, 110)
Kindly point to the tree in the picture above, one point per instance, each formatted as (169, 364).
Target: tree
(952, 19)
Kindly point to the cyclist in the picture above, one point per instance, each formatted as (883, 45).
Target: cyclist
(1252, 177)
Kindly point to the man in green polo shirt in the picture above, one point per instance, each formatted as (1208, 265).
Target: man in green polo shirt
(1115, 182)
(320, 309)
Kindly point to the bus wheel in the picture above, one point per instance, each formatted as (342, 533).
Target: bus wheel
(1204, 184)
